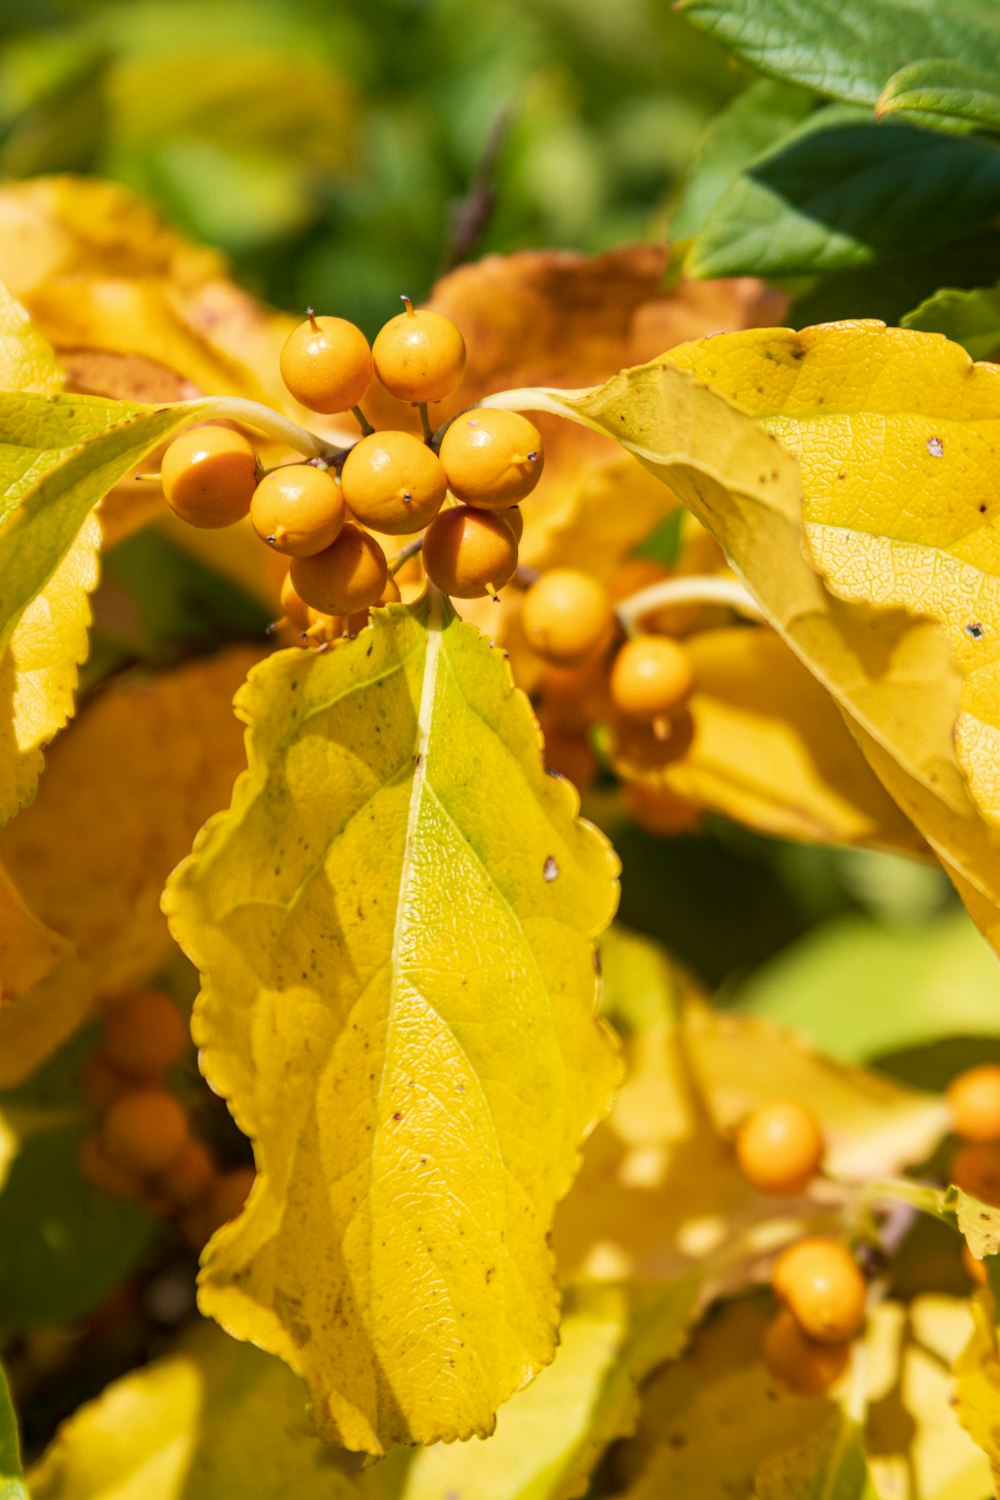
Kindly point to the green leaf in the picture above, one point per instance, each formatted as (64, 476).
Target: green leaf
(949, 94)
(847, 49)
(400, 906)
(971, 318)
(11, 1487)
(842, 192)
(747, 127)
(828, 1465)
(858, 989)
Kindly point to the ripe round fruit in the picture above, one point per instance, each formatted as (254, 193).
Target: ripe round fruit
(326, 364)
(975, 1168)
(570, 755)
(393, 483)
(102, 1173)
(575, 697)
(659, 810)
(652, 677)
(346, 576)
(294, 607)
(143, 1034)
(190, 1177)
(419, 355)
(469, 553)
(493, 459)
(102, 1083)
(975, 1269)
(566, 616)
(298, 509)
(803, 1364)
(779, 1148)
(515, 520)
(818, 1280)
(144, 1130)
(208, 476)
(974, 1101)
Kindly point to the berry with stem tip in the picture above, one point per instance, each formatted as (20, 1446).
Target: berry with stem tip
(493, 459)
(779, 1148)
(818, 1280)
(652, 678)
(974, 1101)
(469, 553)
(294, 607)
(143, 1034)
(144, 1130)
(393, 483)
(326, 364)
(347, 576)
(802, 1363)
(566, 616)
(208, 476)
(298, 509)
(419, 355)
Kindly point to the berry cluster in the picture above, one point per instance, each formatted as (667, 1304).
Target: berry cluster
(142, 1146)
(974, 1104)
(459, 487)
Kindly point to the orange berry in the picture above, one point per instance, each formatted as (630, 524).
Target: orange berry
(633, 574)
(208, 476)
(975, 1269)
(974, 1101)
(659, 810)
(348, 575)
(393, 483)
(298, 509)
(190, 1177)
(652, 678)
(326, 364)
(566, 616)
(975, 1168)
(325, 629)
(108, 1176)
(570, 755)
(818, 1280)
(294, 607)
(102, 1083)
(779, 1148)
(493, 459)
(144, 1130)
(357, 622)
(647, 747)
(143, 1034)
(515, 520)
(419, 355)
(575, 697)
(801, 1363)
(469, 553)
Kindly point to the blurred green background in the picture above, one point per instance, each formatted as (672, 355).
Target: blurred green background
(330, 147)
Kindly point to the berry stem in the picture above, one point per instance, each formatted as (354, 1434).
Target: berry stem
(253, 414)
(426, 423)
(362, 421)
(698, 589)
(410, 550)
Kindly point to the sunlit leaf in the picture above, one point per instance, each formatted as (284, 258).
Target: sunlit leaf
(949, 93)
(27, 362)
(977, 1384)
(125, 791)
(393, 927)
(829, 1465)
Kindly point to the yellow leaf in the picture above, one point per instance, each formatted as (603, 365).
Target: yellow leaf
(891, 673)
(124, 793)
(393, 927)
(27, 362)
(977, 1383)
(28, 949)
(770, 749)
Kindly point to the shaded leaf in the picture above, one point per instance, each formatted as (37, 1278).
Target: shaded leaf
(770, 750)
(11, 1487)
(952, 94)
(124, 794)
(28, 949)
(970, 318)
(402, 902)
(846, 49)
(842, 191)
(829, 1465)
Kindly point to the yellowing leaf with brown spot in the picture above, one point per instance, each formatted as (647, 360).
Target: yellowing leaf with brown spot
(393, 925)
(890, 672)
(124, 793)
(769, 749)
(28, 949)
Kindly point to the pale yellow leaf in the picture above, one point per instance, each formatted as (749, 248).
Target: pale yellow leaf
(27, 362)
(28, 949)
(977, 1383)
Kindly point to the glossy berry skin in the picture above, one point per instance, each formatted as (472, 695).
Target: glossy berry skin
(493, 459)
(515, 520)
(469, 553)
(566, 616)
(298, 509)
(420, 355)
(974, 1101)
(801, 1363)
(144, 1130)
(818, 1280)
(143, 1034)
(347, 576)
(779, 1148)
(208, 476)
(326, 364)
(393, 483)
(652, 678)
(293, 606)
(975, 1168)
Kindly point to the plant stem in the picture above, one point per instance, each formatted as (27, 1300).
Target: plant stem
(426, 422)
(362, 421)
(254, 414)
(698, 589)
(403, 556)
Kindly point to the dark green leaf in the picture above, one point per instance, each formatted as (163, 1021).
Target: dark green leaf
(11, 1487)
(971, 318)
